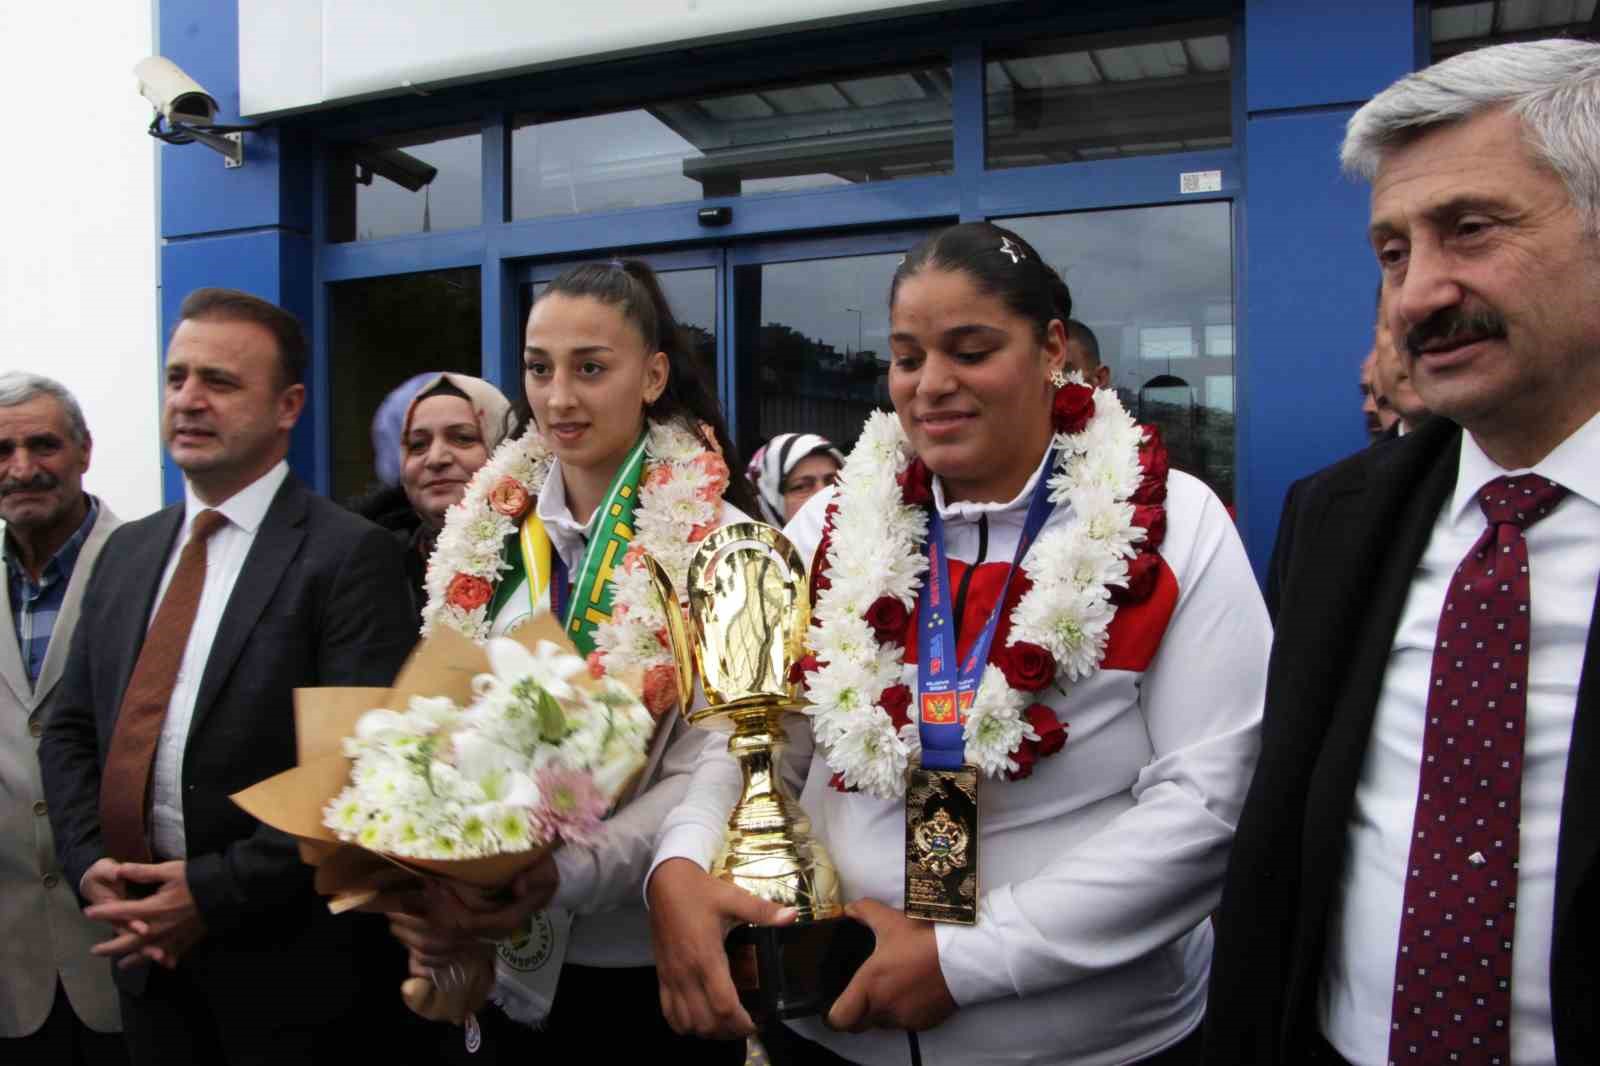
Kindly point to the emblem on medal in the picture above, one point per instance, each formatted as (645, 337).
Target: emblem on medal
(941, 844)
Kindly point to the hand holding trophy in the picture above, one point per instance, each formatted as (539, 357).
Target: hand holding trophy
(748, 613)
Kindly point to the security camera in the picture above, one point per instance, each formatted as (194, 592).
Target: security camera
(188, 111)
(178, 97)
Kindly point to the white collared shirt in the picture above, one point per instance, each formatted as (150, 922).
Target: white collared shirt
(1097, 873)
(226, 551)
(1357, 988)
(601, 883)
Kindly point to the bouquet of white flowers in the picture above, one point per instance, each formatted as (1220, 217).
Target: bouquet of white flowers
(537, 756)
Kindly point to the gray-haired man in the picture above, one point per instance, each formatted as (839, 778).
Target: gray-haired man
(1414, 877)
(57, 1002)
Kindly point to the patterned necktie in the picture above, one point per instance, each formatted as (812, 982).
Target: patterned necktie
(125, 781)
(1452, 984)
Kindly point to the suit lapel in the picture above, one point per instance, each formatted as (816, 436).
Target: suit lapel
(55, 657)
(275, 546)
(11, 668)
(1375, 535)
(1580, 800)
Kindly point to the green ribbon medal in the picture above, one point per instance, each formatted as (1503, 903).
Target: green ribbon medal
(589, 602)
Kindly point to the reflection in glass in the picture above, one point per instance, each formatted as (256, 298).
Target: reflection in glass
(383, 331)
(813, 347)
(848, 129)
(1156, 286)
(1109, 95)
(423, 182)
(1462, 25)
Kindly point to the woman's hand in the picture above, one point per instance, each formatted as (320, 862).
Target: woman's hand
(900, 986)
(478, 914)
(690, 915)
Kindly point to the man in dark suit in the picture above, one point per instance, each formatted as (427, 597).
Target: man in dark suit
(1413, 877)
(198, 624)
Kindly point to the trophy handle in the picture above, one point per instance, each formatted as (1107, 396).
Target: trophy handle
(677, 630)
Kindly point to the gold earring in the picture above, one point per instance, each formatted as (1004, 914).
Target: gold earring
(1057, 378)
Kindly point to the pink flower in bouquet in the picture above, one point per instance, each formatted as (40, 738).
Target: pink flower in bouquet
(597, 664)
(570, 806)
(657, 475)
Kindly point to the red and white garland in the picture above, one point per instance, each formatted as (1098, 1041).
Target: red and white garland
(680, 501)
(1109, 470)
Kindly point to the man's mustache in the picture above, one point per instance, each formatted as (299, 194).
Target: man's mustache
(40, 482)
(1453, 324)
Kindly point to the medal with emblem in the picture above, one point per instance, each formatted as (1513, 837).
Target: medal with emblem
(942, 792)
(942, 845)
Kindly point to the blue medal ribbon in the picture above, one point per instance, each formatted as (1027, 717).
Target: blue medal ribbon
(944, 687)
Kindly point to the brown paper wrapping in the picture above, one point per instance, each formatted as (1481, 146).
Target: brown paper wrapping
(442, 665)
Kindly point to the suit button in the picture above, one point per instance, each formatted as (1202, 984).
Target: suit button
(39, 808)
(50, 880)
(35, 729)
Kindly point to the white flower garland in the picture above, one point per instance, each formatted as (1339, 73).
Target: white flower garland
(680, 500)
(878, 548)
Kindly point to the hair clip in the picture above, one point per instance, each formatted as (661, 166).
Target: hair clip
(901, 262)
(615, 264)
(1007, 248)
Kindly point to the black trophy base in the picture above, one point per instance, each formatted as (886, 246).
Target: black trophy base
(791, 971)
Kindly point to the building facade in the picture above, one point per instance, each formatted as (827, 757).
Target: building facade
(421, 171)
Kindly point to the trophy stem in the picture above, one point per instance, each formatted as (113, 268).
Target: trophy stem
(769, 850)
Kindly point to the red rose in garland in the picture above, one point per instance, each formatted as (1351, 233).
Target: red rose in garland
(806, 664)
(1153, 461)
(1026, 755)
(888, 617)
(1153, 520)
(468, 592)
(896, 699)
(1143, 569)
(1072, 408)
(916, 484)
(1052, 734)
(1027, 666)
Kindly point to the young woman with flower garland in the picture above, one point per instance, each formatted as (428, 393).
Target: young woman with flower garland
(623, 452)
(1111, 727)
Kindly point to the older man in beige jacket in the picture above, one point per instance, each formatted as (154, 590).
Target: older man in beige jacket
(57, 1002)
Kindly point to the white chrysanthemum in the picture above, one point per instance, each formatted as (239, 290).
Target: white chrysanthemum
(872, 757)
(844, 639)
(995, 726)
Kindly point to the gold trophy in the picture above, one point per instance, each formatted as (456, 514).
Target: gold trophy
(749, 610)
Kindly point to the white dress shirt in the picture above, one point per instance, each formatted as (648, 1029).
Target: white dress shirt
(1097, 873)
(600, 882)
(1357, 988)
(225, 555)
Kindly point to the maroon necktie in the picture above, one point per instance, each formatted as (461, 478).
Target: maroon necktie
(125, 781)
(1452, 983)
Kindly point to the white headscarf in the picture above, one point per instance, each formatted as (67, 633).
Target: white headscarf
(770, 466)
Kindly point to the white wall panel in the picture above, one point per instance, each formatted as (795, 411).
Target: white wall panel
(302, 54)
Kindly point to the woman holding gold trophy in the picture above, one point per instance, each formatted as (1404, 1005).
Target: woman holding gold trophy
(623, 454)
(1036, 669)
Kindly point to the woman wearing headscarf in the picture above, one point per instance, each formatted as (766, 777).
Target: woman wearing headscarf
(790, 469)
(452, 425)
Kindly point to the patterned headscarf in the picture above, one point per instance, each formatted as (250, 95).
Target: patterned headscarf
(387, 421)
(771, 464)
(489, 407)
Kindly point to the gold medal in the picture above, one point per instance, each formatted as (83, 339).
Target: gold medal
(942, 845)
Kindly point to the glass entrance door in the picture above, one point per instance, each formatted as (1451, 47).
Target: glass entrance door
(811, 331)
(795, 333)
